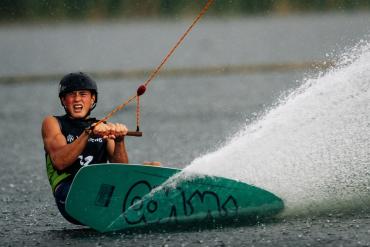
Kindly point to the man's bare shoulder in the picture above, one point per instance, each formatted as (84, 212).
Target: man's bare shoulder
(49, 124)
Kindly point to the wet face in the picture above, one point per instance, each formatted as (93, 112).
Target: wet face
(78, 103)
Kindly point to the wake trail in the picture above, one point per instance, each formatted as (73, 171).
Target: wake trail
(313, 148)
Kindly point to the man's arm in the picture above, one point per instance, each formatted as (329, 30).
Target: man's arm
(62, 154)
(116, 144)
(117, 151)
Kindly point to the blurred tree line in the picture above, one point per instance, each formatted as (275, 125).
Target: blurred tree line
(18, 10)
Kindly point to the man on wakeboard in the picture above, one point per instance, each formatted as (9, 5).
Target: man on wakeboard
(70, 141)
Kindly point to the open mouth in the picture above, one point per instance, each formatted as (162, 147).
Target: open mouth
(77, 107)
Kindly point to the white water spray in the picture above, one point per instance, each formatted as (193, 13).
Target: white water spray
(313, 149)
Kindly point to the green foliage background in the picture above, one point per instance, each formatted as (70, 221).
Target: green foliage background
(20, 10)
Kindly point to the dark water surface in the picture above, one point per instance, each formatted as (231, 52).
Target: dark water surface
(183, 118)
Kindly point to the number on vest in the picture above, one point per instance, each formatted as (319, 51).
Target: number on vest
(85, 161)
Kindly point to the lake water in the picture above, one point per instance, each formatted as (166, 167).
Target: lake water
(184, 118)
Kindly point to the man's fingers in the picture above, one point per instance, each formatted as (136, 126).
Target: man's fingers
(121, 129)
(152, 163)
(101, 130)
(110, 130)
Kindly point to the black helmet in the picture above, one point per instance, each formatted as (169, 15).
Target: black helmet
(78, 81)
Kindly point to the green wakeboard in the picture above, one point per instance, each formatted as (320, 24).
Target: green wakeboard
(113, 197)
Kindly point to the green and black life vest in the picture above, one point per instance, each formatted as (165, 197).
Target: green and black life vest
(95, 151)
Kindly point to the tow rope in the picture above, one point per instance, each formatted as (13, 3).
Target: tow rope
(142, 88)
